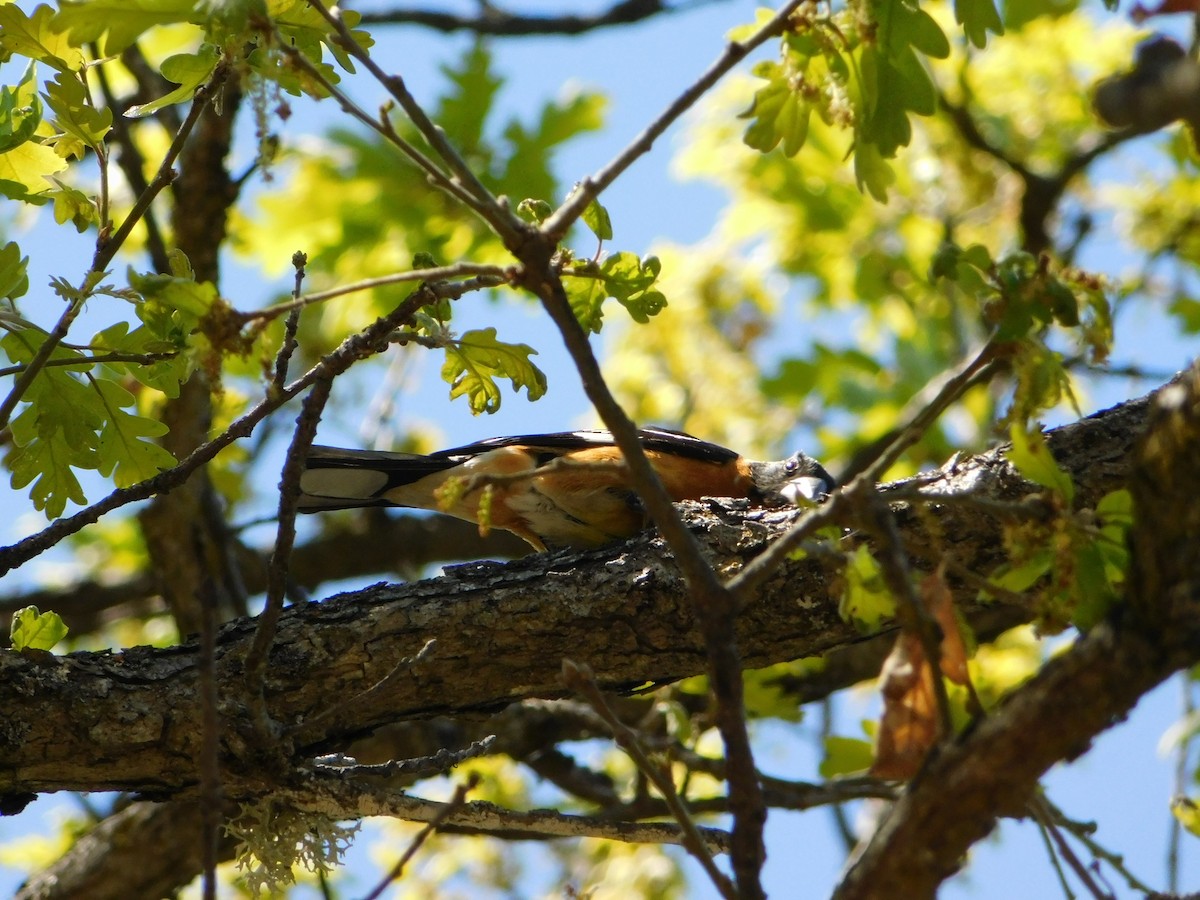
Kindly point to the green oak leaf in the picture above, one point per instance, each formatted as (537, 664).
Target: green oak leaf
(595, 216)
(630, 280)
(118, 22)
(867, 600)
(189, 71)
(36, 37)
(977, 18)
(14, 277)
(20, 110)
(34, 630)
(81, 126)
(845, 756)
(1033, 460)
(477, 359)
(123, 452)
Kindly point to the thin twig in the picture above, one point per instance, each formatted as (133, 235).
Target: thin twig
(291, 325)
(1045, 817)
(354, 348)
(465, 182)
(464, 185)
(747, 581)
(498, 22)
(556, 225)
(285, 539)
(342, 705)
(380, 125)
(579, 678)
(715, 606)
(1082, 832)
(488, 276)
(978, 368)
(342, 798)
(1044, 831)
(1182, 771)
(130, 159)
(136, 359)
(455, 803)
(418, 767)
(837, 810)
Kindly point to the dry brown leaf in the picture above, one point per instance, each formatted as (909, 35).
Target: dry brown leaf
(909, 726)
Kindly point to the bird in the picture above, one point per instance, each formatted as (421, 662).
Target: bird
(569, 489)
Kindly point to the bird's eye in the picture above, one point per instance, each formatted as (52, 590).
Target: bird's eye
(791, 466)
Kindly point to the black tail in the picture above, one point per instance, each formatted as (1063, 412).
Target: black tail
(347, 479)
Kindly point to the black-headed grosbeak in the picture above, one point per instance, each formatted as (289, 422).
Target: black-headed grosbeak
(568, 489)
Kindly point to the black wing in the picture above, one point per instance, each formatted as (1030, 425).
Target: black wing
(664, 440)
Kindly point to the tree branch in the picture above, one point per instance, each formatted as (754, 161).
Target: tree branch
(97, 721)
(500, 23)
(994, 769)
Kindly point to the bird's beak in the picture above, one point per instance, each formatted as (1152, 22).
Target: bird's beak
(809, 489)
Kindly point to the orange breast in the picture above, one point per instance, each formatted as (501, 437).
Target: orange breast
(588, 504)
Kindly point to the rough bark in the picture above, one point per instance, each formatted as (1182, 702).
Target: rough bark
(130, 720)
(373, 543)
(994, 769)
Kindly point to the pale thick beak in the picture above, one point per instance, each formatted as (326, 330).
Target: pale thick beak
(809, 489)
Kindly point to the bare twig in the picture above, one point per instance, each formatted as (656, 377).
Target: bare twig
(136, 359)
(1045, 818)
(556, 225)
(1082, 832)
(1055, 862)
(464, 184)
(715, 606)
(292, 324)
(487, 276)
(285, 538)
(498, 22)
(1042, 191)
(351, 350)
(871, 469)
(455, 803)
(343, 798)
(1182, 771)
(380, 125)
(877, 518)
(419, 767)
(579, 679)
(130, 159)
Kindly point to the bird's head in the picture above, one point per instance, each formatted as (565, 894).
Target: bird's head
(792, 480)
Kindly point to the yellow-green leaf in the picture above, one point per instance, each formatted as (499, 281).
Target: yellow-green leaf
(845, 756)
(118, 22)
(33, 36)
(189, 71)
(477, 359)
(24, 171)
(867, 600)
(34, 630)
(1033, 459)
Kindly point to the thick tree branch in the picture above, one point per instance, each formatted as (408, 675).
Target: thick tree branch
(498, 22)
(96, 721)
(372, 542)
(994, 769)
